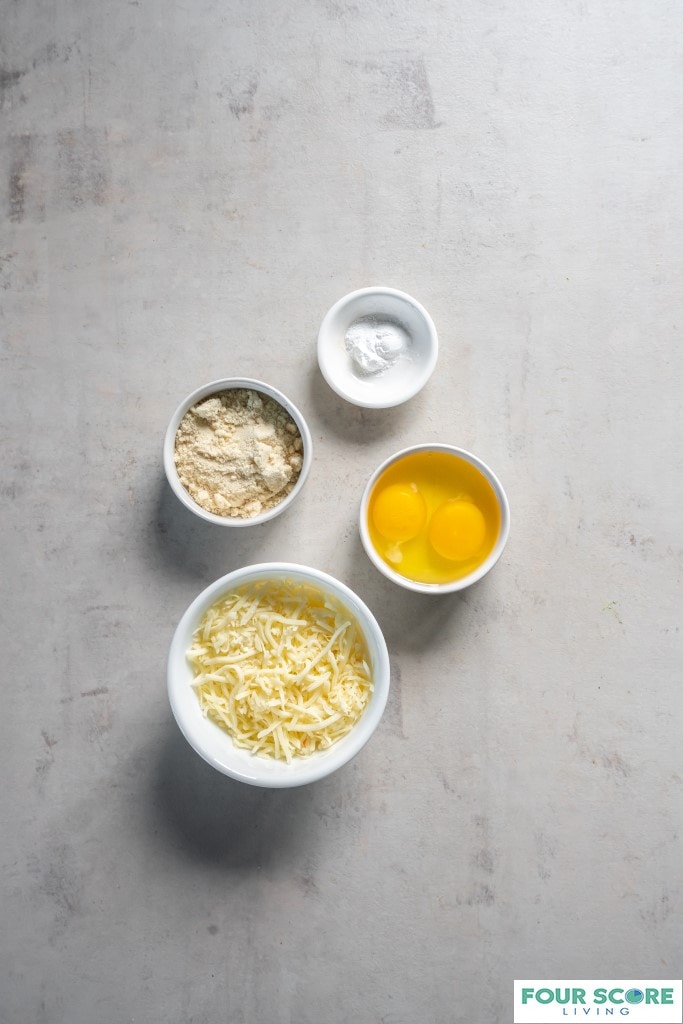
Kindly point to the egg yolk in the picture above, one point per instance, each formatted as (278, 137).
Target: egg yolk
(457, 530)
(399, 512)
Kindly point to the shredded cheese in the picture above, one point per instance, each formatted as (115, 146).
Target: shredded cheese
(282, 667)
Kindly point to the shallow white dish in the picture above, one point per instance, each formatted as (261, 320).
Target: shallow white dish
(214, 744)
(398, 382)
(226, 384)
(464, 581)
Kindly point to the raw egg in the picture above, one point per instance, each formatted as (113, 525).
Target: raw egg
(433, 516)
(457, 530)
(399, 512)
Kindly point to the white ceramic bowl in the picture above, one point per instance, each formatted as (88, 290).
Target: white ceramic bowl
(215, 745)
(453, 585)
(397, 383)
(228, 384)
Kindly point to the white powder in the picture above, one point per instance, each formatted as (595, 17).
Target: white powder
(374, 345)
(238, 453)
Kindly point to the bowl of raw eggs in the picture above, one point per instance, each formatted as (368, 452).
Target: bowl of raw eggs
(434, 518)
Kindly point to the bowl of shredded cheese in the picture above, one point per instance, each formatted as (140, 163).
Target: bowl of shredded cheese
(278, 674)
(237, 452)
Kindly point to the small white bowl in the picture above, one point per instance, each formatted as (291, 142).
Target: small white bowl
(213, 388)
(453, 585)
(398, 382)
(214, 744)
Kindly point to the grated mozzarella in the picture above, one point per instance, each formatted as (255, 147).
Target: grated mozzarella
(282, 667)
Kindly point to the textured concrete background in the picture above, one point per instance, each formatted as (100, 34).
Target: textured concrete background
(184, 191)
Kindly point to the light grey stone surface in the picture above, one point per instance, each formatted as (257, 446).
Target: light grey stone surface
(184, 191)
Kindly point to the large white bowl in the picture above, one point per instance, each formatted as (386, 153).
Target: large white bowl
(464, 581)
(214, 744)
(227, 384)
(399, 382)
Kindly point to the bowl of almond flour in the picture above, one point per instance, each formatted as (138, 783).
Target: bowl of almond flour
(237, 452)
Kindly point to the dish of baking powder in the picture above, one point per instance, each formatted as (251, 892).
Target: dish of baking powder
(238, 453)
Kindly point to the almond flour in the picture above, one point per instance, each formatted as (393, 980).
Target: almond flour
(238, 453)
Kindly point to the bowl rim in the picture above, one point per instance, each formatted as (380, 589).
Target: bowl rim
(230, 384)
(425, 368)
(476, 574)
(303, 770)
